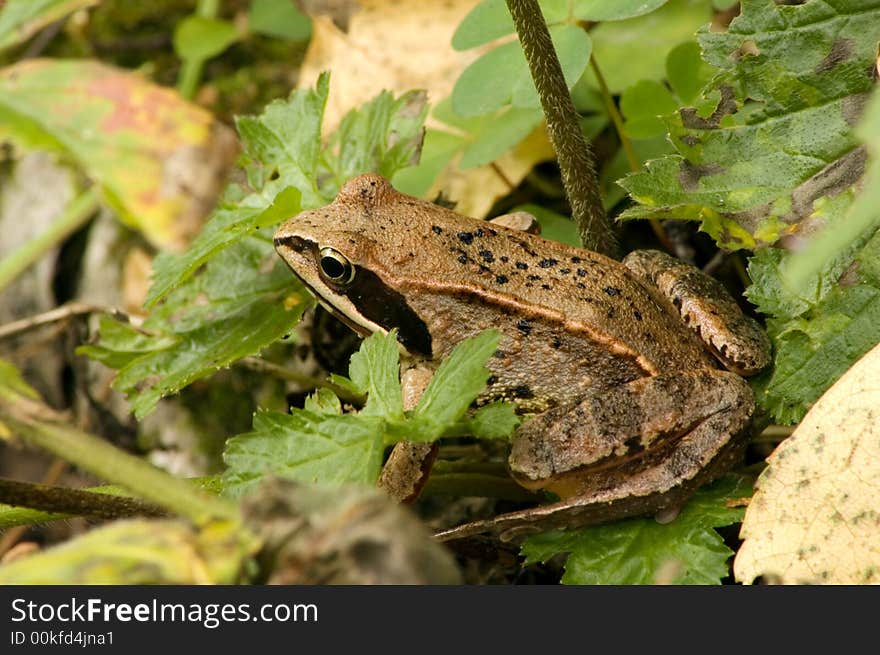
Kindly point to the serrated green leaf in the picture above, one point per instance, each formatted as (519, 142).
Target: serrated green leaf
(282, 146)
(314, 448)
(383, 136)
(228, 225)
(323, 401)
(642, 551)
(493, 421)
(198, 37)
(375, 370)
(438, 150)
(757, 161)
(280, 18)
(232, 310)
(858, 219)
(599, 10)
(454, 386)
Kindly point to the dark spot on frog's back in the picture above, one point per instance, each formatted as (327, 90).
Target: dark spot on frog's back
(436, 229)
(523, 391)
(466, 237)
(501, 279)
(612, 291)
(487, 256)
(386, 307)
(548, 262)
(524, 326)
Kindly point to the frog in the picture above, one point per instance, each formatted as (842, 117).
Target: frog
(629, 375)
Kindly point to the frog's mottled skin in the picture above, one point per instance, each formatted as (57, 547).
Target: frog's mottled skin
(598, 347)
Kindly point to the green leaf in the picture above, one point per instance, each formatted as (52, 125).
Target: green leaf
(199, 38)
(455, 385)
(228, 225)
(323, 401)
(642, 551)
(282, 146)
(13, 384)
(279, 18)
(555, 227)
(599, 10)
(383, 136)
(308, 447)
(438, 150)
(493, 421)
(374, 369)
(636, 49)
(499, 134)
(687, 72)
(490, 20)
(642, 105)
(502, 75)
(858, 220)
(231, 311)
(486, 22)
(775, 140)
(21, 19)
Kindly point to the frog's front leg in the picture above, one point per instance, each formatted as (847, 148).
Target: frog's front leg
(705, 306)
(637, 448)
(408, 466)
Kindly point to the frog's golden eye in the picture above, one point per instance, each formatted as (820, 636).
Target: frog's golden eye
(335, 267)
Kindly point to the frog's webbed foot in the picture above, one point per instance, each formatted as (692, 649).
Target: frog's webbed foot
(737, 340)
(643, 447)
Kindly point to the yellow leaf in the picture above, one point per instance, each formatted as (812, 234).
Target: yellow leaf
(815, 517)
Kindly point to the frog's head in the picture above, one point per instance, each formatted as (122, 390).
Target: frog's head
(347, 254)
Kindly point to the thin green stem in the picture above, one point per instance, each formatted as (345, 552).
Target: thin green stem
(576, 160)
(75, 215)
(631, 157)
(191, 69)
(102, 459)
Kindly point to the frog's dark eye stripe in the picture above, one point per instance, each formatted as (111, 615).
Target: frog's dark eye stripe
(335, 267)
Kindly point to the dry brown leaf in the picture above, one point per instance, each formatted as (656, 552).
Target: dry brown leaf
(400, 45)
(815, 517)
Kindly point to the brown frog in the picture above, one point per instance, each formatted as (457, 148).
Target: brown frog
(617, 362)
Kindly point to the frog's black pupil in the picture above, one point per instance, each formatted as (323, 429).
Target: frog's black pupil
(333, 268)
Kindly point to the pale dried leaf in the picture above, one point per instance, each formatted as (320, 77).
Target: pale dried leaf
(400, 45)
(815, 517)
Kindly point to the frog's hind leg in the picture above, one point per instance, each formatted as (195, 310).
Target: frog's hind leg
(737, 340)
(643, 447)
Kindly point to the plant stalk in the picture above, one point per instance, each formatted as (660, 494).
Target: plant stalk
(576, 160)
(28, 418)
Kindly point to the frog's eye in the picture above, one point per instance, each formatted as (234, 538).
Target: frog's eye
(335, 267)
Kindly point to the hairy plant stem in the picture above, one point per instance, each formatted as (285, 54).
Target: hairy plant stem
(575, 157)
(78, 211)
(74, 502)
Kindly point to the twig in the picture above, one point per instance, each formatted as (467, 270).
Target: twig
(11, 537)
(576, 161)
(62, 313)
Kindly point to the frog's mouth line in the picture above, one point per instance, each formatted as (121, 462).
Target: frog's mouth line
(372, 299)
